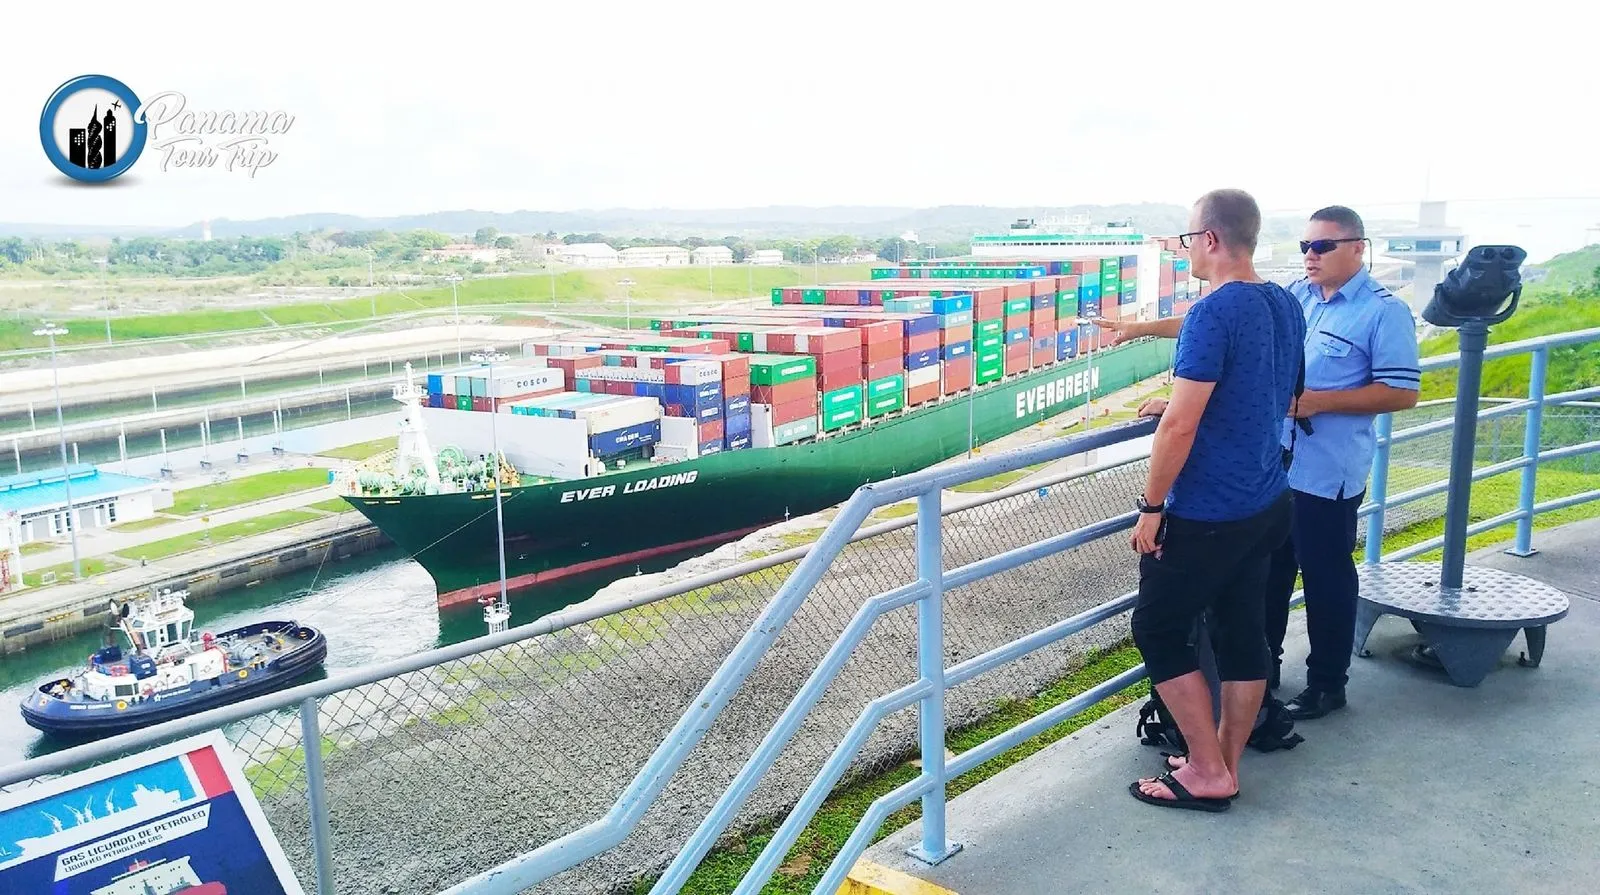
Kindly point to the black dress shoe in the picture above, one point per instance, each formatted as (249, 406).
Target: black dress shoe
(1314, 703)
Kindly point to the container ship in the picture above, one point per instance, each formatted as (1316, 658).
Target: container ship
(613, 448)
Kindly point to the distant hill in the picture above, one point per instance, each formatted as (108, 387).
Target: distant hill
(1569, 270)
(949, 222)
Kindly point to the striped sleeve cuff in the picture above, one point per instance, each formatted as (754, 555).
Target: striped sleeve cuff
(1398, 377)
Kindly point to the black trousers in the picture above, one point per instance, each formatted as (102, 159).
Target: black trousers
(1215, 568)
(1320, 549)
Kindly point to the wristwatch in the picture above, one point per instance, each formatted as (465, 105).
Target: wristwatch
(1149, 507)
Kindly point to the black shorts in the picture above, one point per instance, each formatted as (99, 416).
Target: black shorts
(1220, 567)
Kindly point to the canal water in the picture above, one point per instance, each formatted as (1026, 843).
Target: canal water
(373, 607)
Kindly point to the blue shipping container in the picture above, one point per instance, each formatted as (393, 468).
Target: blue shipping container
(952, 304)
(1045, 343)
(435, 384)
(1013, 336)
(707, 413)
(1164, 306)
(1130, 261)
(957, 349)
(435, 400)
(737, 442)
(737, 424)
(736, 405)
(696, 396)
(618, 441)
(1088, 309)
(959, 318)
(922, 323)
(1067, 344)
(1129, 297)
(710, 447)
(922, 359)
(1044, 302)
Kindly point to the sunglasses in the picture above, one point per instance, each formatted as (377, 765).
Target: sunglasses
(1324, 246)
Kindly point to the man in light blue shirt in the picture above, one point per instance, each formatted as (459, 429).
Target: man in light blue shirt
(1361, 360)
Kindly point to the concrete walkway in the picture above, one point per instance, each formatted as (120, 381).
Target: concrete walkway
(1418, 786)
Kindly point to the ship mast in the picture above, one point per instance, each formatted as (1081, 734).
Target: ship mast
(414, 448)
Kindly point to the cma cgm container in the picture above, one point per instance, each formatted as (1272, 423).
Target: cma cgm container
(620, 441)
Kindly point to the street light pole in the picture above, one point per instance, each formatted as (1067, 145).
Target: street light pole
(497, 616)
(374, 295)
(456, 304)
(627, 285)
(50, 331)
(105, 293)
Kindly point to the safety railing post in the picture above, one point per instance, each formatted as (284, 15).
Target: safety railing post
(934, 848)
(317, 795)
(1530, 452)
(1379, 490)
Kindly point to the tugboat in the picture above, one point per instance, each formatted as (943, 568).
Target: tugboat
(170, 671)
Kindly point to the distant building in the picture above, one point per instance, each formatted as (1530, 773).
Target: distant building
(466, 250)
(587, 254)
(1429, 246)
(653, 256)
(712, 255)
(766, 256)
(99, 500)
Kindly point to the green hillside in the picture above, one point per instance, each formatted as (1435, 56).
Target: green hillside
(1576, 366)
(1573, 270)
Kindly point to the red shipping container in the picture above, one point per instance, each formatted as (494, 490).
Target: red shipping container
(734, 387)
(829, 380)
(1020, 364)
(957, 374)
(795, 410)
(1127, 312)
(781, 340)
(1043, 356)
(783, 394)
(879, 332)
(921, 394)
(570, 365)
(449, 402)
(1069, 283)
(498, 403)
(921, 342)
(836, 361)
(883, 368)
(1042, 322)
(1018, 290)
(1017, 351)
(481, 405)
(882, 351)
(1043, 286)
(711, 431)
(954, 334)
(1018, 321)
(825, 339)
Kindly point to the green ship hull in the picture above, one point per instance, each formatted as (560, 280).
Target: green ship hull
(564, 528)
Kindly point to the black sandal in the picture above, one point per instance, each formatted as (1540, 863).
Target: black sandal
(1185, 756)
(1181, 797)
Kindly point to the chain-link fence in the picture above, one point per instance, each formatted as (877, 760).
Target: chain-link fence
(444, 771)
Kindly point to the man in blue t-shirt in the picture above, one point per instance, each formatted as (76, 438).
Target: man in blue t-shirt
(1216, 504)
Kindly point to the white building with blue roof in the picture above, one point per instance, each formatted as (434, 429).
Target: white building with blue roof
(99, 500)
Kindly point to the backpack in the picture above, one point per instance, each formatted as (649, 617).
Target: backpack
(1273, 730)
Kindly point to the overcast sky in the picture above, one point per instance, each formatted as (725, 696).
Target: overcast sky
(698, 105)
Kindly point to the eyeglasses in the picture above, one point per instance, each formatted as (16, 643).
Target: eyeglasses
(1183, 238)
(1324, 246)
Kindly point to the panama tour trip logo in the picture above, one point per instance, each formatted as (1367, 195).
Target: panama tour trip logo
(94, 127)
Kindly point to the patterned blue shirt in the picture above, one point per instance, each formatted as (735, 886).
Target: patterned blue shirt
(1359, 335)
(1246, 338)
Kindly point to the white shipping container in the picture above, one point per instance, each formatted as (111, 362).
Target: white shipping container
(680, 432)
(672, 453)
(800, 343)
(923, 375)
(761, 426)
(759, 340)
(536, 445)
(698, 372)
(619, 414)
(623, 374)
(524, 381)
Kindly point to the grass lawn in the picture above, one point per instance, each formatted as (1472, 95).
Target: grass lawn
(247, 490)
(363, 450)
(572, 289)
(332, 505)
(92, 566)
(36, 547)
(144, 524)
(219, 534)
(1000, 480)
